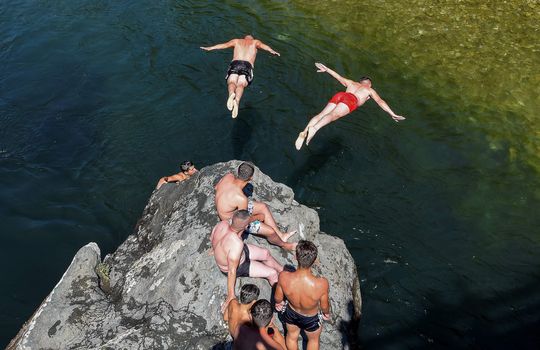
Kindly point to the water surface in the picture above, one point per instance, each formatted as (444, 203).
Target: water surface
(99, 99)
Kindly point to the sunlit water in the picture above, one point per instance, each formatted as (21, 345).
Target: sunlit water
(99, 99)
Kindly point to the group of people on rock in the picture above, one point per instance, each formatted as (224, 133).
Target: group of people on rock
(301, 298)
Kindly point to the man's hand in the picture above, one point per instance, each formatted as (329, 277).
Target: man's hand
(321, 67)
(398, 118)
(205, 48)
(226, 304)
(275, 53)
(280, 306)
(326, 317)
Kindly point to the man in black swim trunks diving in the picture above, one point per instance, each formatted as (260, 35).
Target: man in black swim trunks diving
(240, 73)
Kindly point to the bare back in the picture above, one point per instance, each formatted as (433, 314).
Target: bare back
(238, 314)
(246, 50)
(361, 92)
(224, 243)
(229, 197)
(304, 291)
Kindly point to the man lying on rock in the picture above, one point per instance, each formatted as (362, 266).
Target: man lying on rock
(236, 258)
(187, 169)
(261, 333)
(230, 197)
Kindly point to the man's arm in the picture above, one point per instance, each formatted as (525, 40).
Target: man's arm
(171, 178)
(263, 46)
(324, 301)
(226, 45)
(233, 259)
(278, 295)
(382, 103)
(322, 68)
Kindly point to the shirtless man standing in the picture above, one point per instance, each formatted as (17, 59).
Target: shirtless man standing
(306, 294)
(262, 334)
(238, 312)
(236, 258)
(230, 197)
(240, 73)
(341, 104)
(187, 169)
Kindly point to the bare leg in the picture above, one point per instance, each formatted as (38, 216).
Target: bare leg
(263, 264)
(302, 136)
(231, 87)
(274, 238)
(291, 340)
(261, 208)
(240, 86)
(313, 339)
(341, 110)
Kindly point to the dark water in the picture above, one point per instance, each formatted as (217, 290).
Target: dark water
(99, 99)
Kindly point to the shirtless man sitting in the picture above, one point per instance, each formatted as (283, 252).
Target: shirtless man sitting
(230, 197)
(238, 259)
(240, 73)
(341, 104)
(306, 294)
(238, 312)
(187, 169)
(262, 334)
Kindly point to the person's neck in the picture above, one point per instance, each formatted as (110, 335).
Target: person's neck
(304, 270)
(240, 182)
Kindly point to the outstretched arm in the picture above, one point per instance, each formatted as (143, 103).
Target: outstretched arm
(322, 68)
(226, 45)
(384, 105)
(263, 46)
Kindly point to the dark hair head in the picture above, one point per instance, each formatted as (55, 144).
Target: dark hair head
(186, 165)
(365, 78)
(249, 293)
(261, 312)
(240, 219)
(306, 253)
(245, 171)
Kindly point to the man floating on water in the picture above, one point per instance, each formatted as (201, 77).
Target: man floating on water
(240, 73)
(343, 103)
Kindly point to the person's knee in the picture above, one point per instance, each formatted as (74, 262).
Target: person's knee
(273, 277)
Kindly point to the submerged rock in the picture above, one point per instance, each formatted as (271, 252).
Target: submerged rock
(161, 289)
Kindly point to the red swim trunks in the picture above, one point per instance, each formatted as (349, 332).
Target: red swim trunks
(345, 97)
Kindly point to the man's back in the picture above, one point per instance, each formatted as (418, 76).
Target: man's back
(303, 290)
(228, 197)
(238, 314)
(223, 241)
(246, 50)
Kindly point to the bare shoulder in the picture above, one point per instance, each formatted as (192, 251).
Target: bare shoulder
(283, 277)
(322, 282)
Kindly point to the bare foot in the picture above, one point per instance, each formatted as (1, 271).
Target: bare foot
(300, 140)
(311, 131)
(285, 236)
(235, 109)
(230, 101)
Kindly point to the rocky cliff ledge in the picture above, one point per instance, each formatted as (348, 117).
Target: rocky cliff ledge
(163, 288)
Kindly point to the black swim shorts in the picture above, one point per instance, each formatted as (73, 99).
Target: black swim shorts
(241, 68)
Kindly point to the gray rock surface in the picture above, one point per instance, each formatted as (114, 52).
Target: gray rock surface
(165, 289)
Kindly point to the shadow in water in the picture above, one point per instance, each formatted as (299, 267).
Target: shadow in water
(325, 150)
(242, 132)
(509, 320)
